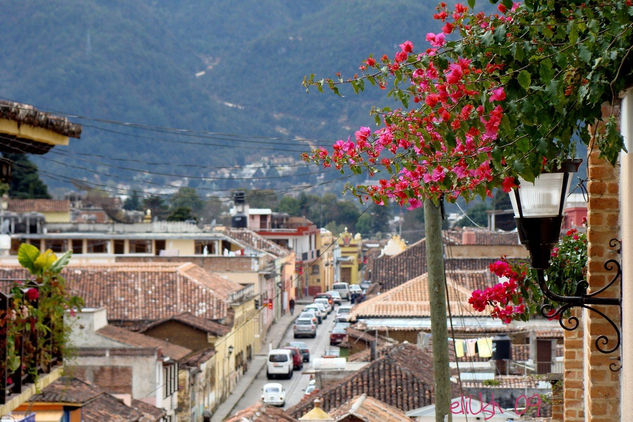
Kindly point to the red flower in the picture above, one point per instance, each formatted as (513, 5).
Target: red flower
(501, 8)
(32, 294)
(508, 184)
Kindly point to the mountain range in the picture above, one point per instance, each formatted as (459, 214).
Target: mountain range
(226, 74)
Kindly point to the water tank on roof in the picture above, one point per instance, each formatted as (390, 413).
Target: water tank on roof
(239, 221)
(501, 347)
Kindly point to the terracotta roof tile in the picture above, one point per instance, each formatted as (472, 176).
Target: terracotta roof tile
(67, 390)
(106, 407)
(150, 412)
(411, 299)
(191, 320)
(140, 340)
(145, 291)
(369, 409)
(401, 377)
(259, 412)
(39, 205)
(255, 240)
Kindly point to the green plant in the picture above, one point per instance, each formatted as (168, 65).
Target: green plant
(35, 318)
(519, 296)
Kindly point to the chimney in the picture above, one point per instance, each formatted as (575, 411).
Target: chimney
(468, 237)
(372, 350)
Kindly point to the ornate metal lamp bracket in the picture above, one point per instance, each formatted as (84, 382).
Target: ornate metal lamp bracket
(583, 300)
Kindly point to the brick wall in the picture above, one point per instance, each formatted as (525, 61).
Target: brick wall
(591, 389)
(602, 401)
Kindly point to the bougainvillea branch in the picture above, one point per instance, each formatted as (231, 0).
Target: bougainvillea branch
(518, 296)
(492, 97)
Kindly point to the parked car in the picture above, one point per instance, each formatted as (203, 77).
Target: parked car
(304, 327)
(279, 362)
(342, 311)
(335, 296)
(319, 309)
(311, 387)
(338, 333)
(342, 289)
(297, 358)
(274, 394)
(312, 314)
(303, 348)
(325, 302)
(327, 296)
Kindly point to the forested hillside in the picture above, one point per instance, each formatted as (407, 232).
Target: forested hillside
(230, 72)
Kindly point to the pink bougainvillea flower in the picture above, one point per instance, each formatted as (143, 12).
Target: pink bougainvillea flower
(406, 47)
(436, 40)
(498, 94)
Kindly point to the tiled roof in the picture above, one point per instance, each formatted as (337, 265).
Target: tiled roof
(369, 409)
(411, 299)
(259, 412)
(150, 413)
(199, 357)
(256, 241)
(401, 377)
(27, 114)
(67, 390)
(504, 382)
(39, 205)
(145, 291)
(477, 236)
(191, 320)
(106, 407)
(140, 340)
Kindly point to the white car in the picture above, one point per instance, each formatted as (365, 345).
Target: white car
(335, 296)
(279, 363)
(319, 309)
(325, 303)
(274, 394)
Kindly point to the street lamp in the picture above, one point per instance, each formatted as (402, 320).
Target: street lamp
(538, 210)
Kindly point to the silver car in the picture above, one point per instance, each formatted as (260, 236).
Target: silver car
(304, 327)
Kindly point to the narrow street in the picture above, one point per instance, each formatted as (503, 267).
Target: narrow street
(295, 387)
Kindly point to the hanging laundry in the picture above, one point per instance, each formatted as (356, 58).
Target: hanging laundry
(484, 345)
(470, 347)
(459, 348)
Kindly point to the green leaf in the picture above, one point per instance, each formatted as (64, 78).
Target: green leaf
(500, 33)
(27, 254)
(61, 262)
(471, 3)
(545, 71)
(507, 3)
(525, 79)
(44, 261)
(584, 53)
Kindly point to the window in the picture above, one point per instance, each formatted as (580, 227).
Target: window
(140, 246)
(119, 246)
(78, 246)
(159, 245)
(96, 246)
(202, 246)
(170, 379)
(56, 245)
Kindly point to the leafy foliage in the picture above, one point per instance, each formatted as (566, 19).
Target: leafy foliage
(36, 313)
(25, 181)
(506, 98)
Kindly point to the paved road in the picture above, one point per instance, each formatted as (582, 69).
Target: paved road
(295, 386)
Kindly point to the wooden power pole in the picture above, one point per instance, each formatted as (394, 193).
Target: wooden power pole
(437, 300)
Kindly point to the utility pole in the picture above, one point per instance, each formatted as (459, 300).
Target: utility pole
(437, 301)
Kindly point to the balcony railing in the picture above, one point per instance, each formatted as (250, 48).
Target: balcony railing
(34, 357)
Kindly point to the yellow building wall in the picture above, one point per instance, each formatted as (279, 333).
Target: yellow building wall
(57, 217)
(184, 246)
(350, 247)
(244, 333)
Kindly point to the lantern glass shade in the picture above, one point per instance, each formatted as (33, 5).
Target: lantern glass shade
(543, 198)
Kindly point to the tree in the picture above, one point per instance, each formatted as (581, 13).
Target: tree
(501, 99)
(133, 202)
(157, 205)
(25, 181)
(213, 209)
(289, 205)
(262, 199)
(187, 197)
(182, 214)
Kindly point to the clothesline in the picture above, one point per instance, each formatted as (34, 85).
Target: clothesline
(481, 347)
